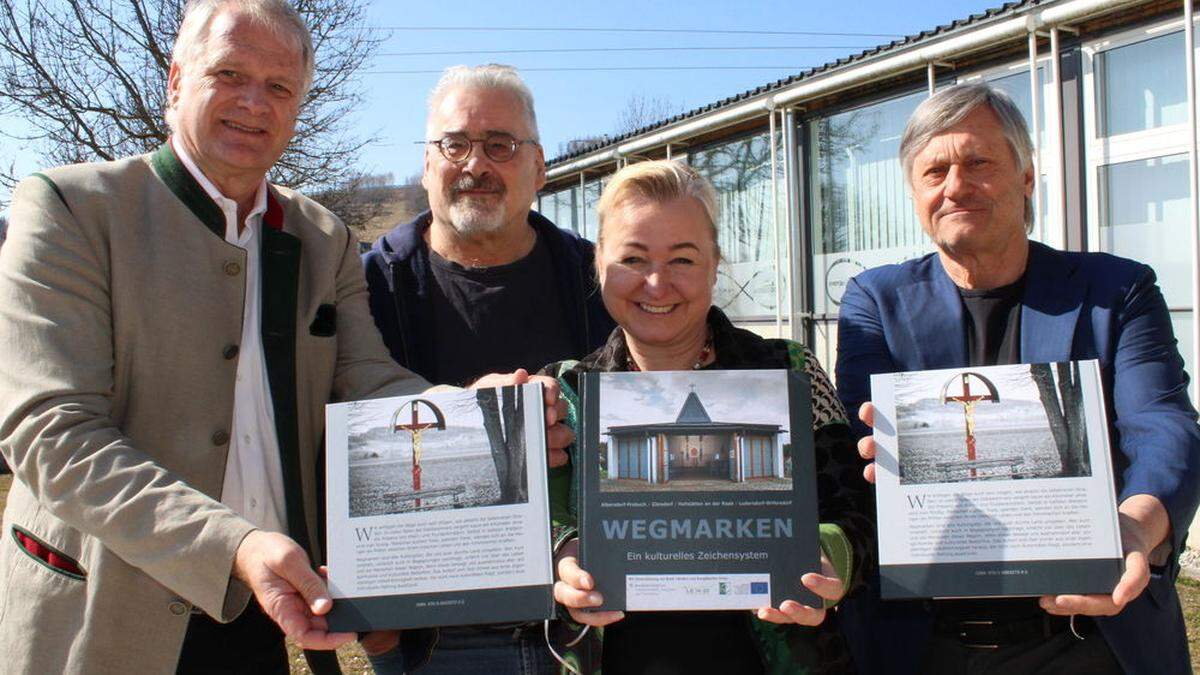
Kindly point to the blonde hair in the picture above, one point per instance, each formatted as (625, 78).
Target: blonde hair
(660, 181)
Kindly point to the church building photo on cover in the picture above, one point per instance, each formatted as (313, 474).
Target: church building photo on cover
(694, 447)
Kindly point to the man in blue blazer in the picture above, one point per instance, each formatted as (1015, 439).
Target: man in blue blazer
(990, 296)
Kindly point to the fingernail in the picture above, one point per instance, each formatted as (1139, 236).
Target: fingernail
(594, 598)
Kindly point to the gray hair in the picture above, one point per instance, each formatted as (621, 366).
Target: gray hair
(659, 181)
(950, 106)
(487, 76)
(276, 15)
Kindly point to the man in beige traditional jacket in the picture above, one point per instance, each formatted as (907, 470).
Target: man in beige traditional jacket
(173, 327)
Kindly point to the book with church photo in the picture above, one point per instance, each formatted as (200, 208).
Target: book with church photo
(995, 481)
(698, 489)
(437, 510)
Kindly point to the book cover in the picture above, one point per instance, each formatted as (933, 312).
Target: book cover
(995, 481)
(437, 510)
(698, 489)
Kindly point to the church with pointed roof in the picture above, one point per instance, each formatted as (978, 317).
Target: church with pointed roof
(695, 447)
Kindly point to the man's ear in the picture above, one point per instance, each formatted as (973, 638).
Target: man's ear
(541, 168)
(425, 169)
(173, 77)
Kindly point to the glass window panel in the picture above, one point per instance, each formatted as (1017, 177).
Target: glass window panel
(861, 212)
(561, 207)
(1144, 215)
(1142, 85)
(825, 345)
(1016, 86)
(741, 173)
(591, 197)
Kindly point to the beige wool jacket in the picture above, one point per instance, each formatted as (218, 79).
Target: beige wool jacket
(120, 316)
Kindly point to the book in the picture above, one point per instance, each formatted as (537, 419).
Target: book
(437, 510)
(995, 481)
(698, 489)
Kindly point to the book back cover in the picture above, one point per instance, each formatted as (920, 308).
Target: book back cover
(995, 481)
(437, 510)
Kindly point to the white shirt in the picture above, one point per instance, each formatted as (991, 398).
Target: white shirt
(253, 474)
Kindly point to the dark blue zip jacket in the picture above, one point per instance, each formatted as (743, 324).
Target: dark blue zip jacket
(399, 279)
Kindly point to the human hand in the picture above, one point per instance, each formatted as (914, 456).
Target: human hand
(826, 585)
(278, 572)
(575, 589)
(558, 435)
(866, 444)
(379, 642)
(1144, 526)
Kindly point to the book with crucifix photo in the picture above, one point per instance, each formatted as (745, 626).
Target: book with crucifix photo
(995, 481)
(697, 489)
(437, 510)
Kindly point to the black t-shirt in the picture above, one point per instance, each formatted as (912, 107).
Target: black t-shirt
(993, 339)
(993, 324)
(496, 319)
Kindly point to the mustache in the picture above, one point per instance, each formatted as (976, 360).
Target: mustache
(964, 206)
(468, 182)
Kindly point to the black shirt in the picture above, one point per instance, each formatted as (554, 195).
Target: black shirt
(993, 324)
(993, 319)
(496, 319)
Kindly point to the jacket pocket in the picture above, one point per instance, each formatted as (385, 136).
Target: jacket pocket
(325, 322)
(47, 556)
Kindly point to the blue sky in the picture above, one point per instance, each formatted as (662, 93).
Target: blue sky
(572, 104)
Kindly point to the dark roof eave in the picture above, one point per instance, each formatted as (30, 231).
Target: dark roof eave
(879, 51)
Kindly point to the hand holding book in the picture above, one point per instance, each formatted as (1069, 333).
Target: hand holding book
(866, 444)
(1145, 527)
(827, 585)
(575, 589)
(558, 435)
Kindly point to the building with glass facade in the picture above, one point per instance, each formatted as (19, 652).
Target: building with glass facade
(1108, 89)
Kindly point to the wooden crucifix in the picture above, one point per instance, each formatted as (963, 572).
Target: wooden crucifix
(415, 427)
(969, 400)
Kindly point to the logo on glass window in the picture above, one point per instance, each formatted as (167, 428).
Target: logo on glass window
(837, 275)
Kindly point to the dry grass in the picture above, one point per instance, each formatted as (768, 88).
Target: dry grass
(354, 662)
(1189, 595)
(350, 657)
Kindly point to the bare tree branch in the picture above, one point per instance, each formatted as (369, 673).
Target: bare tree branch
(89, 79)
(641, 111)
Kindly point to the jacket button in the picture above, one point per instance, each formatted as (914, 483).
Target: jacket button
(220, 437)
(177, 608)
(229, 352)
(232, 268)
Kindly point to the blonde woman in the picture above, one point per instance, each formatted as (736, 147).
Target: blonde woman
(657, 257)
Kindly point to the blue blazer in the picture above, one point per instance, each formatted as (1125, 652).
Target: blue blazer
(1075, 306)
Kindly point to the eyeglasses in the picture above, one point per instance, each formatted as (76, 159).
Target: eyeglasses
(498, 147)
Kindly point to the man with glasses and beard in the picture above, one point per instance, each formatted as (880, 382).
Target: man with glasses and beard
(480, 283)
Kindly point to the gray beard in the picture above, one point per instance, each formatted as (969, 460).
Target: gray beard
(469, 220)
